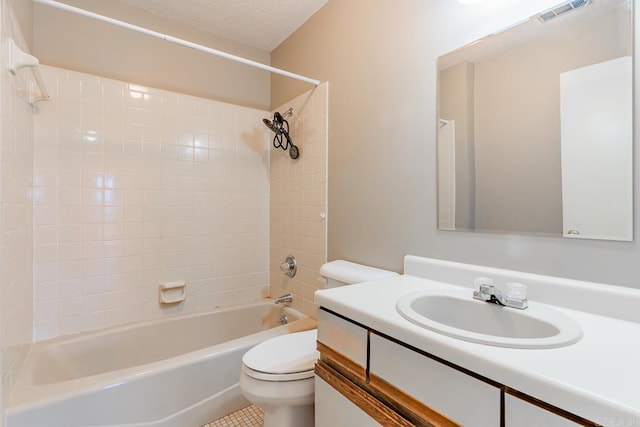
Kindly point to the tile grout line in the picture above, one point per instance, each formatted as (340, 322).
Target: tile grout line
(251, 416)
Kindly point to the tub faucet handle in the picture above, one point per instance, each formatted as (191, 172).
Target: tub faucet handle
(289, 266)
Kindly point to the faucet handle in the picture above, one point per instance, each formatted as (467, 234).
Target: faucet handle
(484, 289)
(516, 291)
(480, 281)
(289, 266)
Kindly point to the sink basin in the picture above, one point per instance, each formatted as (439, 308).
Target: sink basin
(455, 313)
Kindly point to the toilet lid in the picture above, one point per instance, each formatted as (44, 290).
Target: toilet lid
(284, 354)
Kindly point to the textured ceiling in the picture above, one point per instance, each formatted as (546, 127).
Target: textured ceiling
(262, 24)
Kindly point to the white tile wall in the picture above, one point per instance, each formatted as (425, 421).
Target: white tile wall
(135, 186)
(16, 168)
(299, 200)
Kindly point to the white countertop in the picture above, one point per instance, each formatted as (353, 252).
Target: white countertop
(597, 378)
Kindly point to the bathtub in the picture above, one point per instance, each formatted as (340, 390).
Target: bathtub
(181, 371)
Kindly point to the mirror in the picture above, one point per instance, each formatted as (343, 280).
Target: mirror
(535, 126)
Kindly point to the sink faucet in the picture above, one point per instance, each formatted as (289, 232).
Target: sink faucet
(284, 298)
(515, 298)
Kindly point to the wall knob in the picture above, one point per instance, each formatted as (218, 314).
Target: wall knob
(289, 266)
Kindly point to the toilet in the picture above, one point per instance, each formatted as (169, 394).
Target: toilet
(277, 374)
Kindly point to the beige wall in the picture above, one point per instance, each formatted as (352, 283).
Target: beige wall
(23, 12)
(366, 50)
(70, 41)
(380, 61)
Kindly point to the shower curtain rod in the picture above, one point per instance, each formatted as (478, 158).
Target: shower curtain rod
(175, 40)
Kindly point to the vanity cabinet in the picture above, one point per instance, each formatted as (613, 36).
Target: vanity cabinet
(461, 397)
(341, 391)
(365, 378)
(348, 395)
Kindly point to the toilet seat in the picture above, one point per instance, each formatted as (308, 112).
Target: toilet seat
(286, 357)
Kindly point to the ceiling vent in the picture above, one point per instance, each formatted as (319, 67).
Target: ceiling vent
(562, 8)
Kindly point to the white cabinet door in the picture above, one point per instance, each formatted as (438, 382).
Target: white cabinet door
(462, 398)
(519, 413)
(334, 410)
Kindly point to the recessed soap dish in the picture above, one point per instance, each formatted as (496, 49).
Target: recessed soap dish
(172, 292)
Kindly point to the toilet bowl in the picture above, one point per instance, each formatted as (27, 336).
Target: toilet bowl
(277, 376)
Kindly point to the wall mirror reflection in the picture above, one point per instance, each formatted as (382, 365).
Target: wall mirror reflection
(535, 126)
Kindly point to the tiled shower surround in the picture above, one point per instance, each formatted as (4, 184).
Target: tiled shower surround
(16, 168)
(135, 186)
(299, 200)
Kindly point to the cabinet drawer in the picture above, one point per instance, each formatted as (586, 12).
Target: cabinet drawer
(463, 398)
(344, 338)
(519, 413)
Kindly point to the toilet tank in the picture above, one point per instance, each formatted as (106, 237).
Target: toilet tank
(340, 273)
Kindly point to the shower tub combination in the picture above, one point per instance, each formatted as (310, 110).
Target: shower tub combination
(178, 371)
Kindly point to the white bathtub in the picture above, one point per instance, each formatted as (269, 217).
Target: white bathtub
(181, 371)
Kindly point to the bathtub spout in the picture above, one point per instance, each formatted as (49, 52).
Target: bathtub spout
(284, 298)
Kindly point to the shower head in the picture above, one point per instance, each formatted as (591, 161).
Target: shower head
(271, 126)
(294, 152)
(277, 125)
(280, 127)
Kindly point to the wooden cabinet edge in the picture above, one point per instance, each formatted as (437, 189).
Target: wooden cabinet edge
(341, 363)
(363, 400)
(353, 382)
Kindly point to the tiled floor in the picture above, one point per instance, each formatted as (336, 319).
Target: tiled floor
(251, 416)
